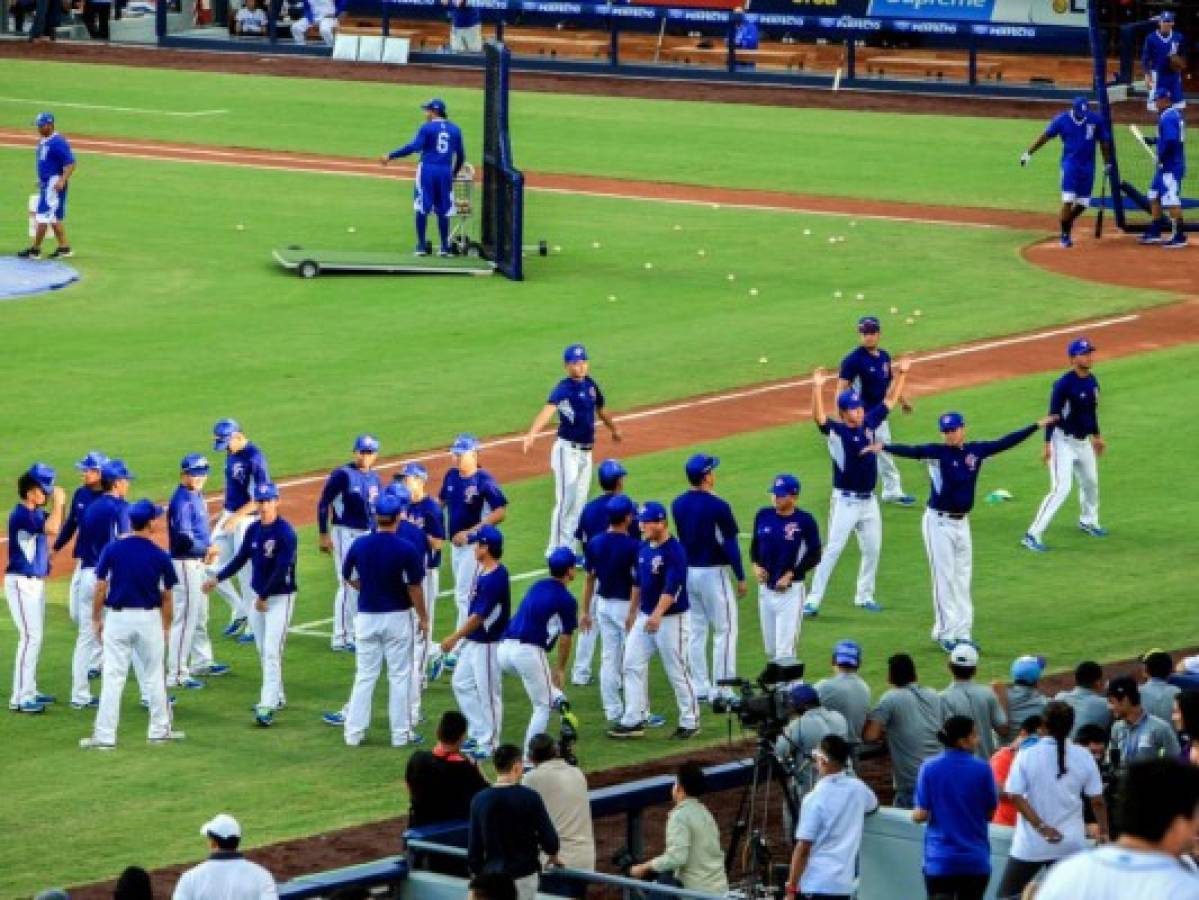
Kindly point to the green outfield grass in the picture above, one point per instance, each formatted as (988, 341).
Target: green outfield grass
(918, 158)
(181, 319)
(85, 816)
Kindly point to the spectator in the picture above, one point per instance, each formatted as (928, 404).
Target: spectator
(95, 16)
(491, 887)
(956, 796)
(20, 9)
(1031, 730)
(829, 835)
(1186, 723)
(251, 19)
(692, 851)
(975, 702)
(509, 827)
(1159, 814)
(1135, 733)
(909, 717)
(1157, 694)
(1094, 740)
(226, 873)
(47, 14)
(563, 790)
(134, 884)
(1047, 784)
(745, 37)
(845, 691)
(1021, 698)
(442, 782)
(810, 723)
(466, 27)
(1086, 698)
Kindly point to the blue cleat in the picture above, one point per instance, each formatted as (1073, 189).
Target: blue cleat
(93, 674)
(450, 661)
(469, 744)
(45, 699)
(947, 645)
(435, 667)
(215, 670)
(334, 719)
(655, 721)
(234, 627)
(246, 638)
(870, 606)
(192, 684)
(1066, 242)
(264, 716)
(29, 707)
(1093, 530)
(1033, 544)
(1178, 240)
(414, 740)
(810, 610)
(479, 754)
(1151, 236)
(901, 500)
(91, 703)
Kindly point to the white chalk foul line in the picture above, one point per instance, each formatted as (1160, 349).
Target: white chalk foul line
(52, 104)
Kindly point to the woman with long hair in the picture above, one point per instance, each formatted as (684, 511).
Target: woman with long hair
(1186, 722)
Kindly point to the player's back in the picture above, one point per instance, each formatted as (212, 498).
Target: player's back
(1171, 145)
(441, 139)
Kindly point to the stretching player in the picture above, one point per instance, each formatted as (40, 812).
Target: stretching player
(784, 548)
(426, 514)
(192, 551)
(324, 14)
(611, 562)
(1079, 129)
(953, 468)
(55, 166)
(1163, 62)
(854, 508)
(867, 370)
(349, 494)
(1166, 189)
(708, 533)
(1072, 446)
(439, 142)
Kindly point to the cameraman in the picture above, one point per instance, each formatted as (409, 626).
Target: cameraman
(563, 789)
(810, 723)
(692, 839)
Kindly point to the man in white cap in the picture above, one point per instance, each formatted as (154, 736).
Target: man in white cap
(226, 873)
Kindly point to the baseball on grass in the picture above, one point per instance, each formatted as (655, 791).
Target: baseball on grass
(859, 296)
(595, 245)
(700, 252)
(807, 232)
(753, 292)
(836, 295)
(557, 248)
(678, 228)
(894, 310)
(909, 321)
(853, 224)
(240, 227)
(832, 240)
(611, 298)
(351, 229)
(917, 313)
(732, 277)
(649, 265)
(762, 360)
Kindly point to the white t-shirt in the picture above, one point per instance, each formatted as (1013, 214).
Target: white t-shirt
(832, 818)
(1057, 801)
(251, 21)
(1113, 873)
(226, 876)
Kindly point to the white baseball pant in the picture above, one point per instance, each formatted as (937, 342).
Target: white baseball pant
(478, 693)
(27, 603)
(887, 470)
(780, 613)
(585, 648)
(714, 604)
(382, 638)
(951, 561)
(572, 479)
(88, 652)
(425, 649)
(1068, 456)
(530, 664)
(201, 645)
(270, 637)
(184, 617)
(239, 596)
(132, 636)
(326, 24)
(466, 570)
(670, 643)
(851, 513)
(466, 40)
(609, 620)
(345, 598)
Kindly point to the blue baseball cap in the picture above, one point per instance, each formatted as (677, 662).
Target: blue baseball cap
(1028, 668)
(575, 353)
(849, 399)
(609, 472)
(143, 512)
(436, 105)
(267, 491)
(115, 470)
(94, 461)
(869, 325)
(414, 470)
(222, 431)
(464, 443)
(366, 443)
(951, 421)
(44, 475)
(194, 464)
(847, 653)
(44, 118)
(1078, 346)
(700, 465)
(620, 506)
(785, 486)
(395, 489)
(1161, 91)
(802, 695)
(1080, 107)
(490, 537)
(389, 504)
(1162, 17)
(561, 561)
(652, 511)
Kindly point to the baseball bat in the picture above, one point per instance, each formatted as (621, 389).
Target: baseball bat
(1102, 205)
(1136, 133)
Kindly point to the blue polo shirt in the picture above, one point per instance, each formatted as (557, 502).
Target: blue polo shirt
(80, 501)
(187, 524)
(854, 471)
(708, 530)
(492, 600)
(868, 373)
(385, 565)
(137, 571)
(105, 520)
(1076, 399)
(783, 544)
(548, 610)
(349, 494)
(577, 402)
(663, 570)
(612, 558)
(959, 792)
(28, 550)
(271, 551)
(467, 500)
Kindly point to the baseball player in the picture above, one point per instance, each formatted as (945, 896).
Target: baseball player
(442, 155)
(270, 547)
(131, 613)
(79, 601)
(349, 494)
(426, 514)
(245, 469)
(867, 370)
(953, 468)
(707, 531)
(577, 400)
(1163, 60)
(547, 615)
(471, 498)
(784, 548)
(477, 676)
(1079, 128)
(1072, 446)
(29, 526)
(324, 14)
(658, 622)
(1165, 192)
(387, 571)
(55, 166)
(853, 507)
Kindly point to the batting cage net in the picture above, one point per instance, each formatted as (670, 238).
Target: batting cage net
(503, 184)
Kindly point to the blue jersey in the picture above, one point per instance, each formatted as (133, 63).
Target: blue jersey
(464, 14)
(1155, 55)
(468, 500)
(854, 472)
(105, 520)
(80, 501)
(953, 471)
(547, 611)
(707, 530)
(1079, 138)
(577, 401)
(243, 470)
(782, 544)
(1076, 399)
(439, 144)
(662, 570)
(28, 550)
(386, 565)
(426, 514)
(53, 156)
(350, 494)
(187, 524)
(593, 520)
(1171, 147)
(490, 600)
(137, 571)
(869, 374)
(271, 551)
(611, 557)
(746, 35)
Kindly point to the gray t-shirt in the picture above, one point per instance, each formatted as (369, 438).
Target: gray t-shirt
(803, 735)
(1157, 698)
(966, 698)
(1089, 708)
(912, 717)
(849, 695)
(1024, 701)
(1148, 739)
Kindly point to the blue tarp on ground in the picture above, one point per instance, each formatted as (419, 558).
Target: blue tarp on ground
(21, 277)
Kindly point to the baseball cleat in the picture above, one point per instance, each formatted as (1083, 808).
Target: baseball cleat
(91, 703)
(683, 734)
(901, 500)
(413, 740)
(420, 250)
(44, 699)
(1178, 240)
(166, 738)
(170, 701)
(810, 610)
(29, 707)
(245, 637)
(581, 682)
(947, 644)
(234, 627)
(435, 667)
(93, 674)
(479, 754)
(215, 670)
(1065, 242)
(450, 661)
(192, 684)
(1150, 237)
(264, 716)
(1093, 530)
(30, 253)
(469, 744)
(62, 253)
(1033, 544)
(90, 743)
(335, 719)
(445, 252)
(869, 606)
(654, 721)
(626, 731)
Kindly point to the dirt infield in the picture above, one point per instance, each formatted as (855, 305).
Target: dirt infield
(1119, 259)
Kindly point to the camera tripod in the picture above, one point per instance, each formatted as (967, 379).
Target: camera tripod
(748, 842)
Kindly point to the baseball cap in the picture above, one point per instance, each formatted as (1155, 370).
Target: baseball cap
(785, 486)
(366, 443)
(397, 490)
(619, 507)
(194, 464)
(94, 460)
(266, 491)
(869, 325)
(561, 560)
(44, 475)
(389, 504)
(143, 512)
(610, 470)
(951, 421)
(464, 443)
(437, 105)
(1162, 17)
(222, 431)
(575, 353)
(965, 655)
(1080, 346)
(847, 653)
(414, 470)
(44, 118)
(221, 826)
(1028, 668)
(1080, 106)
(803, 695)
(1159, 92)
(700, 465)
(489, 536)
(849, 399)
(652, 511)
(115, 470)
